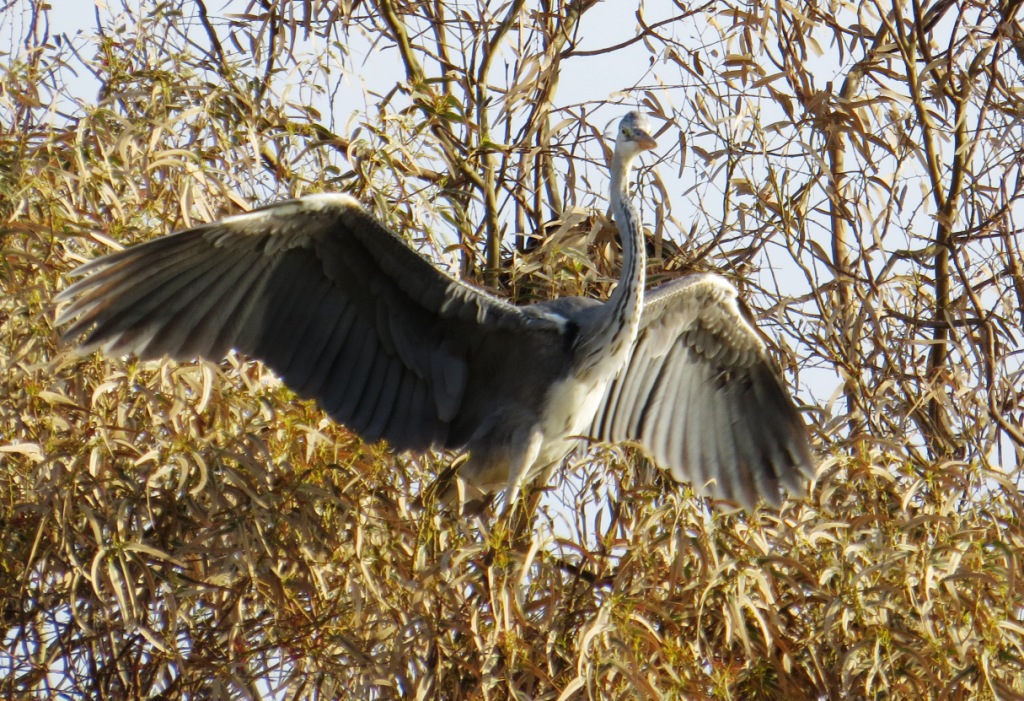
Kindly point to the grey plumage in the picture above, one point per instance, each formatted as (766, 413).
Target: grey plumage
(701, 397)
(346, 313)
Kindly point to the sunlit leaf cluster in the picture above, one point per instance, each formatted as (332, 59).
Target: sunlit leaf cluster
(192, 531)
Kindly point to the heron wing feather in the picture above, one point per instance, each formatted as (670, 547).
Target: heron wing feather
(330, 299)
(700, 395)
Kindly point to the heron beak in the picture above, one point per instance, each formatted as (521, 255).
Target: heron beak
(643, 140)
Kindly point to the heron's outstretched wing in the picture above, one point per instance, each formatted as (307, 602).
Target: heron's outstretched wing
(340, 307)
(700, 395)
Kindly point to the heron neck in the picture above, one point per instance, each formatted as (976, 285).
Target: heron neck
(626, 299)
(613, 338)
(629, 291)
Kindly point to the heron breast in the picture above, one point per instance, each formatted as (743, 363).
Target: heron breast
(571, 404)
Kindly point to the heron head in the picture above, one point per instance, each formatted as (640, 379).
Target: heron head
(634, 134)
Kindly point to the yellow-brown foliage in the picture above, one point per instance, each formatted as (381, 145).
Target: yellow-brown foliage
(193, 531)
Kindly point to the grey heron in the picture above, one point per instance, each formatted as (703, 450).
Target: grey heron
(344, 311)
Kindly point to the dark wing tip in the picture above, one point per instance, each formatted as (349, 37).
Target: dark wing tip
(773, 448)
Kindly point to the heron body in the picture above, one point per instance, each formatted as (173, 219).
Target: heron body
(346, 313)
